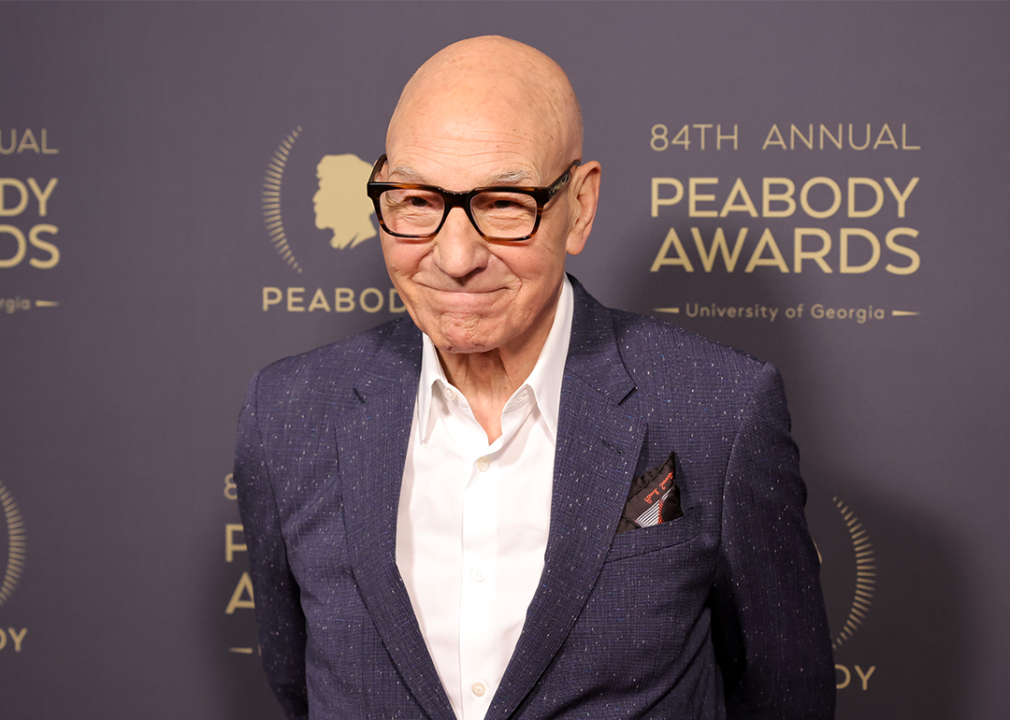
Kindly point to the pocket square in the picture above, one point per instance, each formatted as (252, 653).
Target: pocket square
(654, 498)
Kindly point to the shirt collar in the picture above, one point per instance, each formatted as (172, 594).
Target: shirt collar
(544, 381)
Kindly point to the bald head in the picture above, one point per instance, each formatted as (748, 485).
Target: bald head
(477, 87)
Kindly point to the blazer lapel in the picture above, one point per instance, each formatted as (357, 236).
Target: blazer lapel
(372, 447)
(597, 452)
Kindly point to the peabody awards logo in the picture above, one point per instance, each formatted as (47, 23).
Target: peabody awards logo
(12, 545)
(322, 226)
(786, 205)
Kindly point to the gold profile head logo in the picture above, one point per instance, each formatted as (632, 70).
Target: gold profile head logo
(341, 204)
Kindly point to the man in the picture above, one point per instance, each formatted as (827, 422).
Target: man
(539, 507)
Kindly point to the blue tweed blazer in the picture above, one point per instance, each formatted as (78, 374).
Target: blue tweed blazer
(717, 614)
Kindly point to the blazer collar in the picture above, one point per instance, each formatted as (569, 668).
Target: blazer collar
(371, 451)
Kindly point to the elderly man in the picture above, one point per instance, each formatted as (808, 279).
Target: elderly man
(522, 504)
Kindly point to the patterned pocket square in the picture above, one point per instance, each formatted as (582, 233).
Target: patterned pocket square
(654, 498)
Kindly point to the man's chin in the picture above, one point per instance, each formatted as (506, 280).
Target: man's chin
(462, 336)
(461, 345)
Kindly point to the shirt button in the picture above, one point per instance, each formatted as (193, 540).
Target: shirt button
(478, 689)
(483, 464)
(449, 394)
(479, 574)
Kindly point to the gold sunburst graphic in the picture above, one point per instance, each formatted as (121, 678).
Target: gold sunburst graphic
(15, 545)
(272, 182)
(866, 574)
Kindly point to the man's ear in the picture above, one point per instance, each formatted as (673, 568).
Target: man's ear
(585, 191)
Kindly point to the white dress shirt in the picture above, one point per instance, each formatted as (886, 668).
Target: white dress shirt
(473, 518)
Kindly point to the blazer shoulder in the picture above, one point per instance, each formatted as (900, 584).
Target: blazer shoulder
(650, 345)
(391, 350)
(663, 361)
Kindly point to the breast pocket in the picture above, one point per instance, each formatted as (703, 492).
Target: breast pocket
(657, 537)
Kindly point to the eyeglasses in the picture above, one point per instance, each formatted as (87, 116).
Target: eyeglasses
(409, 210)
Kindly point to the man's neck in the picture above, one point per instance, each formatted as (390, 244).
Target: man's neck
(488, 379)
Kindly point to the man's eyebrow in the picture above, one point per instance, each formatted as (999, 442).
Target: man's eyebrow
(511, 177)
(407, 174)
(519, 178)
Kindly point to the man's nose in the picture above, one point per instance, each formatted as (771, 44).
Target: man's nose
(459, 248)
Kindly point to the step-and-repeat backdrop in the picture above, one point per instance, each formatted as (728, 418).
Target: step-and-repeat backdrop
(824, 185)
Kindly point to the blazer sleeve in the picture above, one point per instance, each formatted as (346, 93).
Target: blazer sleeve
(275, 592)
(770, 629)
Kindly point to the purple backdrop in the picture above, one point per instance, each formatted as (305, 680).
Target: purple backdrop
(166, 228)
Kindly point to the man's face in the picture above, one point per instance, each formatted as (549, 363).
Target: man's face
(466, 293)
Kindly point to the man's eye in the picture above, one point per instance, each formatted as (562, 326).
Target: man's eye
(503, 203)
(413, 200)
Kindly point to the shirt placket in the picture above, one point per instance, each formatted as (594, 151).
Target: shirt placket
(478, 583)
